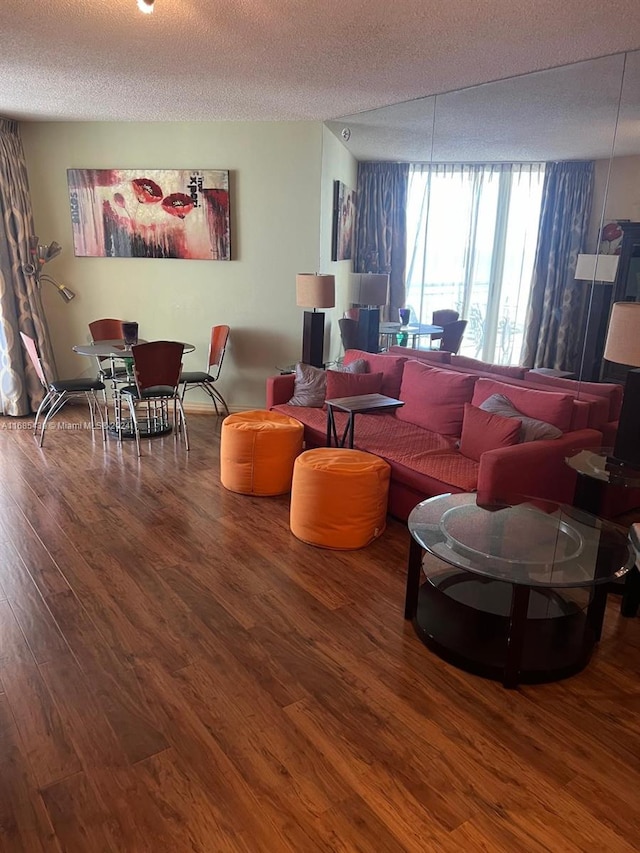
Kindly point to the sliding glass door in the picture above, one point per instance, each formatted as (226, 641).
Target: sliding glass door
(471, 240)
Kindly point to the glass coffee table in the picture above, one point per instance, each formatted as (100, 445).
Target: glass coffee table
(517, 592)
(597, 469)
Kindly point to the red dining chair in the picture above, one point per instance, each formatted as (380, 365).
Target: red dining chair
(207, 379)
(156, 369)
(59, 391)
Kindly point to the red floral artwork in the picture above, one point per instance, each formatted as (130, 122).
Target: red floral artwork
(611, 232)
(147, 191)
(155, 213)
(178, 204)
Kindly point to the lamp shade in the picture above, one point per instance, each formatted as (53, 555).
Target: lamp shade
(368, 288)
(315, 291)
(597, 267)
(623, 337)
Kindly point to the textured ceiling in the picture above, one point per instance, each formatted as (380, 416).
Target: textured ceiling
(586, 110)
(281, 59)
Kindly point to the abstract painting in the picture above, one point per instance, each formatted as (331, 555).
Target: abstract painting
(153, 213)
(344, 208)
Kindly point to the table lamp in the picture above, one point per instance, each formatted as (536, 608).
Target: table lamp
(314, 290)
(623, 347)
(368, 290)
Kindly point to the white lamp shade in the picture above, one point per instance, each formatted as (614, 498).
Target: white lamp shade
(623, 337)
(314, 290)
(597, 267)
(368, 288)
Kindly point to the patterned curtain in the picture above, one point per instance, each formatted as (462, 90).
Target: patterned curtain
(381, 226)
(558, 303)
(20, 303)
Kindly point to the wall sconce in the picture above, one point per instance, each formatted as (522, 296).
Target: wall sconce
(42, 255)
(146, 6)
(623, 347)
(370, 290)
(314, 291)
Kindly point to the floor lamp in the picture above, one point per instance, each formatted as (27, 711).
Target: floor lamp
(623, 347)
(369, 290)
(41, 255)
(315, 291)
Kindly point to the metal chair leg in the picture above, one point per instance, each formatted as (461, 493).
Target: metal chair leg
(134, 422)
(184, 423)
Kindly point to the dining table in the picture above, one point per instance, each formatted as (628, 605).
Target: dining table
(389, 332)
(116, 350)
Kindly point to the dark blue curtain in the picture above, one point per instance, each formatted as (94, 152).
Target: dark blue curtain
(557, 304)
(381, 226)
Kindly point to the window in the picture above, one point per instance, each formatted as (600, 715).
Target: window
(471, 240)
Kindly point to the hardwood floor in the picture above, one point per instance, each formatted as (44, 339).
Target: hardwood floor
(179, 673)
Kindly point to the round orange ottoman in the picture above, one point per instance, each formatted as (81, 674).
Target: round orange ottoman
(339, 498)
(257, 452)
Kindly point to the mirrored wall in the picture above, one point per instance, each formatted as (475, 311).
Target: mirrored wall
(476, 205)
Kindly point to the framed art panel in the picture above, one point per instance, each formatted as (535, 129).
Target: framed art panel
(344, 208)
(152, 213)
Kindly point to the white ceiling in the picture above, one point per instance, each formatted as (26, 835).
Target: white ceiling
(197, 60)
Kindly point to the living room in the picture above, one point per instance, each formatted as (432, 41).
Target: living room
(179, 672)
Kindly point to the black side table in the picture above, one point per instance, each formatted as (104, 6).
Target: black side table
(597, 467)
(353, 406)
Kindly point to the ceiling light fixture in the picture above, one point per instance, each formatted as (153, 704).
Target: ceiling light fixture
(146, 6)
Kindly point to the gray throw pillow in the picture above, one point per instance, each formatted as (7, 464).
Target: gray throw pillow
(357, 366)
(310, 386)
(531, 429)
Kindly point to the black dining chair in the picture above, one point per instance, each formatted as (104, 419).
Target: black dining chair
(156, 369)
(443, 317)
(452, 335)
(59, 391)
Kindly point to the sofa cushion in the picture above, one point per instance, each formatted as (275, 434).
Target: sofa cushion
(435, 356)
(609, 390)
(390, 367)
(340, 384)
(483, 431)
(357, 366)
(513, 372)
(546, 406)
(310, 386)
(531, 429)
(434, 398)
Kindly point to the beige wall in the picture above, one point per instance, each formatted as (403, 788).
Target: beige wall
(623, 194)
(275, 186)
(338, 164)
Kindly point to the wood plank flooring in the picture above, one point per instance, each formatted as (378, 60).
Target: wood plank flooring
(179, 673)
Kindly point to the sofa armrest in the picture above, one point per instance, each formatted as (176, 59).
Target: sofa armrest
(280, 389)
(534, 469)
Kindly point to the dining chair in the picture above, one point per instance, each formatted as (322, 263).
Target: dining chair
(60, 391)
(452, 335)
(443, 317)
(108, 329)
(156, 369)
(206, 379)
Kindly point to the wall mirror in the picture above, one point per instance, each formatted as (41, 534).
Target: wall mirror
(476, 204)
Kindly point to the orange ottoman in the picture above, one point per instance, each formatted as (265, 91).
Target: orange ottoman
(257, 452)
(339, 498)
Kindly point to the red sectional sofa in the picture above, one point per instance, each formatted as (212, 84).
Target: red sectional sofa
(421, 440)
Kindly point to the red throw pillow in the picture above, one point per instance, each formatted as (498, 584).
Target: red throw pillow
(433, 398)
(352, 384)
(483, 431)
(390, 366)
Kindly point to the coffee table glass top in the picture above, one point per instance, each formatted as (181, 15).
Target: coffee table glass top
(536, 543)
(600, 464)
